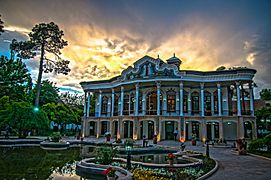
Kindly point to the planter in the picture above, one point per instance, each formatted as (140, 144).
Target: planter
(111, 178)
(194, 142)
(170, 161)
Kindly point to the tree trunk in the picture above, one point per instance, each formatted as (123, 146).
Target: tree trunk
(39, 77)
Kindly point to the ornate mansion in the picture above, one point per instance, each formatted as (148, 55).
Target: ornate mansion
(154, 97)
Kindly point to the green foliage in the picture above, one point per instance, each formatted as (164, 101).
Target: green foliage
(48, 93)
(55, 136)
(21, 116)
(1, 25)
(265, 94)
(15, 81)
(258, 144)
(104, 155)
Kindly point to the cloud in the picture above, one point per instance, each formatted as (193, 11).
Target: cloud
(258, 50)
(106, 37)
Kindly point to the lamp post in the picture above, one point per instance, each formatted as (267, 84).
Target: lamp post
(128, 149)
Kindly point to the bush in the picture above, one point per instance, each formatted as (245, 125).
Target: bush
(55, 137)
(104, 155)
(129, 142)
(256, 144)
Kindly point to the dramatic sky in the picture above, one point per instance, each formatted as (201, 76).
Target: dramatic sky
(106, 37)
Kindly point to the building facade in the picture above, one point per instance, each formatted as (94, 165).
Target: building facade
(154, 97)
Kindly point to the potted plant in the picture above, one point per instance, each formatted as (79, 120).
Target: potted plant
(110, 173)
(194, 139)
(171, 158)
(107, 136)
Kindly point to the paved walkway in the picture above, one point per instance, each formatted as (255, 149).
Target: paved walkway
(233, 166)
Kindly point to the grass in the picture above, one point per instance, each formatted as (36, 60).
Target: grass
(262, 153)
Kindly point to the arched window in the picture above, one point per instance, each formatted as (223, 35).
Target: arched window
(104, 104)
(126, 105)
(132, 103)
(207, 103)
(195, 102)
(171, 101)
(116, 105)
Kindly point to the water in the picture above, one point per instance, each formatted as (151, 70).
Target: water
(155, 159)
(36, 163)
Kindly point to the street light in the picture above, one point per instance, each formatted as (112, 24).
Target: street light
(128, 149)
(36, 109)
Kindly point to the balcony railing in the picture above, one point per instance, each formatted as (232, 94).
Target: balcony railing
(168, 113)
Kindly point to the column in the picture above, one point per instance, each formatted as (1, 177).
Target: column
(203, 130)
(88, 104)
(202, 98)
(159, 137)
(158, 97)
(144, 104)
(238, 99)
(135, 127)
(240, 127)
(98, 129)
(219, 99)
(85, 105)
(137, 95)
(120, 129)
(111, 127)
(251, 94)
(112, 102)
(121, 100)
(100, 104)
(189, 102)
(181, 98)
(221, 136)
(212, 104)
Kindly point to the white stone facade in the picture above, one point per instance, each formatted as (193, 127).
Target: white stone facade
(156, 98)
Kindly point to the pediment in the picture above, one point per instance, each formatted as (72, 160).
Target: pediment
(148, 67)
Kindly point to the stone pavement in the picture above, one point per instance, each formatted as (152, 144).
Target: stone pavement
(231, 165)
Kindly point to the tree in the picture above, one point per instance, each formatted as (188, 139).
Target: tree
(15, 81)
(21, 117)
(265, 94)
(72, 99)
(221, 68)
(1, 26)
(48, 93)
(21, 49)
(45, 39)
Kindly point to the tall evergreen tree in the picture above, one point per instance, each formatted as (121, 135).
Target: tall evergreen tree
(1, 25)
(44, 39)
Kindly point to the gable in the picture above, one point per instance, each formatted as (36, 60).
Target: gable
(148, 67)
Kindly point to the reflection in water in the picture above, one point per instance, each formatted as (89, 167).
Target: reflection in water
(155, 158)
(37, 163)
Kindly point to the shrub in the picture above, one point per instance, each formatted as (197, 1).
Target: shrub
(256, 144)
(104, 155)
(129, 142)
(55, 136)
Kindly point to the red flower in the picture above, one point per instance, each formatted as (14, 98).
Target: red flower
(171, 156)
(109, 171)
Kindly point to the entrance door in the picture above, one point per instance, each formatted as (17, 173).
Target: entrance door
(195, 128)
(209, 131)
(128, 129)
(104, 127)
(169, 129)
(92, 127)
(150, 129)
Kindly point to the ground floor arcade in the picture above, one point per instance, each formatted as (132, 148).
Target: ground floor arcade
(203, 128)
